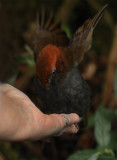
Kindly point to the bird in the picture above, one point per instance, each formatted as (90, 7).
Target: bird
(59, 83)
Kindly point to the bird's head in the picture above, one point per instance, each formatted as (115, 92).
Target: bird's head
(50, 61)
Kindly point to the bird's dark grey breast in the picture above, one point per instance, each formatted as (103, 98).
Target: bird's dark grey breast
(70, 96)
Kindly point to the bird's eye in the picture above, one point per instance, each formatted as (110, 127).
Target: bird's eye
(54, 71)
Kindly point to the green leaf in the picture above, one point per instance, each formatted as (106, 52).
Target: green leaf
(29, 50)
(102, 126)
(29, 60)
(115, 83)
(113, 142)
(94, 156)
(109, 114)
(9, 151)
(106, 157)
(108, 151)
(67, 30)
(84, 155)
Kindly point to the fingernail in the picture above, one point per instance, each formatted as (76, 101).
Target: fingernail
(76, 117)
(76, 130)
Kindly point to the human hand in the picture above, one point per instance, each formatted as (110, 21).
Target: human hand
(20, 119)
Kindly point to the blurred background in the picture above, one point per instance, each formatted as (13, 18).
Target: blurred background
(99, 69)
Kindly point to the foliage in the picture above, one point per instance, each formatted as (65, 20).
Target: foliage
(105, 137)
(7, 149)
(115, 83)
(67, 30)
(27, 59)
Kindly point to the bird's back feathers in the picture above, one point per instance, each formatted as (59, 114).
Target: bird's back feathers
(48, 33)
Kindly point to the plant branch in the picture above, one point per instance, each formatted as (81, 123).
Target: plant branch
(108, 95)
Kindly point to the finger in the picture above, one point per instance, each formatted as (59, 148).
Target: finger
(72, 129)
(70, 119)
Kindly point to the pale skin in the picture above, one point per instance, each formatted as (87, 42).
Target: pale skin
(21, 120)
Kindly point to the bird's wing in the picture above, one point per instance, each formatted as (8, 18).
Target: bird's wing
(83, 36)
(83, 31)
(47, 32)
